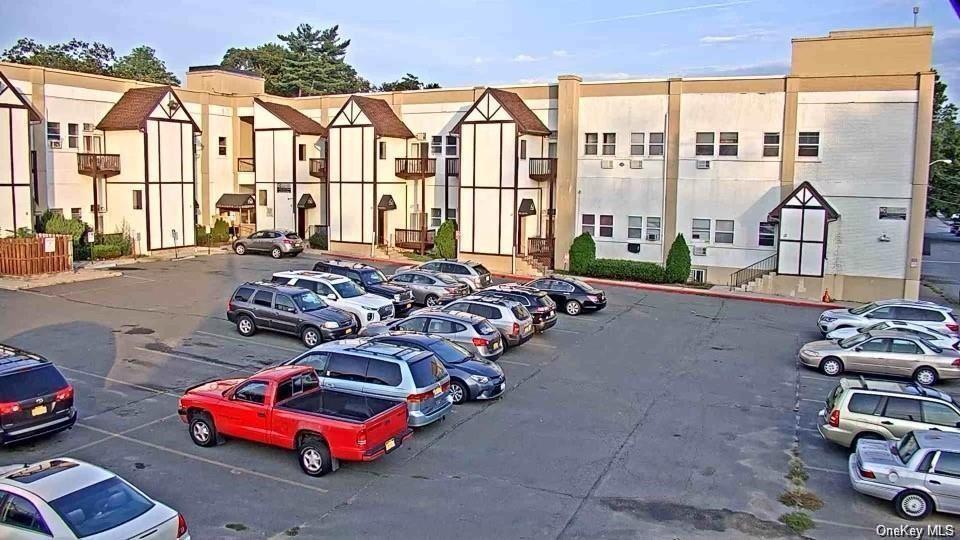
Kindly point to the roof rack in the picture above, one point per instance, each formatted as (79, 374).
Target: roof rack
(363, 348)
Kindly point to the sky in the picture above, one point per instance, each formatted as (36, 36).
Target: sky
(485, 42)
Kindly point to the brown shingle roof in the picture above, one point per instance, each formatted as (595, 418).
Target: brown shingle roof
(301, 123)
(384, 120)
(527, 121)
(32, 112)
(134, 107)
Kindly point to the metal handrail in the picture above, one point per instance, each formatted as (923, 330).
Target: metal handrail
(754, 271)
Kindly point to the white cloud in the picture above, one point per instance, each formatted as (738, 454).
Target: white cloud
(667, 11)
(708, 40)
(525, 58)
(763, 68)
(480, 60)
(560, 53)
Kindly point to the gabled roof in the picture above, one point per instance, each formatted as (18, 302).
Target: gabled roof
(236, 200)
(299, 122)
(6, 86)
(805, 196)
(528, 123)
(385, 122)
(136, 105)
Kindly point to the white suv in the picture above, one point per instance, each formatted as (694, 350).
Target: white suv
(340, 292)
(926, 314)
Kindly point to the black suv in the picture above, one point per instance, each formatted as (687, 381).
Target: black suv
(290, 310)
(372, 280)
(539, 304)
(35, 399)
(572, 295)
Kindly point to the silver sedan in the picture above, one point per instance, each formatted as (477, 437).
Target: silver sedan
(430, 288)
(940, 340)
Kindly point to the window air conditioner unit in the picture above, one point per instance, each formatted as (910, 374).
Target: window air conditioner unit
(421, 136)
(699, 251)
(88, 127)
(98, 209)
(606, 163)
(703, 164)
(651, 237)
(55, 144)
(636, 163)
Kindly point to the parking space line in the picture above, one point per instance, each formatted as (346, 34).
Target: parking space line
(563, 331)
(124, 432)
(824, 469)
(540, 344)
(812, 378)
(198, 360)
(845, 525)
(206, 460)
(820, 401)
(118, 381)
(513, 362)
(248, 342)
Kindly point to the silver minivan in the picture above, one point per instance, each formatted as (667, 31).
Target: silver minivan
(384, 370)
(471, 331)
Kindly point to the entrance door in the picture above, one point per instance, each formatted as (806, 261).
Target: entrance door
(802, 246)
(302, 222)
(381, 227)
(521, 228)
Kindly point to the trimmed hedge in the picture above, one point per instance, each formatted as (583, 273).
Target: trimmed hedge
(678, 261)
(106, 251)
(583, 251)
(444, 242)
(319, 240)
(645, 272)
(583, 262)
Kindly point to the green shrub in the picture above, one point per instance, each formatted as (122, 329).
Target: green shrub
(798, 522)
(44, 218)
(220, 232)
(678, 261)
(645, 272)
(583, 251)
(445, 241)
(318, 240)
(24, 232)
(106, 251)
(58, 224)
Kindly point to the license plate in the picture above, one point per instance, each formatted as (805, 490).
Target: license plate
(37, 411)
(390, 444)
(349, 331)
(437, 391)
(407, 306)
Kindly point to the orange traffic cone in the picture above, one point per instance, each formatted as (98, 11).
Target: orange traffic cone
(826, 296)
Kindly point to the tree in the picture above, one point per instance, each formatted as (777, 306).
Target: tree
(444, 242)
(583, 251)
(74, 55)
(944, 194)
(408, 82)
(142, 64)
(265, 60)
(678, 261)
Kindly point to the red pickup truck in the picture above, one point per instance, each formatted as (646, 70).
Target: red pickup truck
(286, 407)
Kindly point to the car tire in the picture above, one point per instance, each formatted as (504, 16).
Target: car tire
(311, 337)
(314, 456)
(203, 432)
(245, 326)
(431, 300)
(926, 376)
(459, 392)
(572, 307)
(276, 253)
(831, 366)
(240, 249)
(913, 505)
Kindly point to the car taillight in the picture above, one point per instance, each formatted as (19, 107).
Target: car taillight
(453, 290)
(834, 419)
(481, 342)
(229, 305)
(7, 408)
(362, 439)
(954, 327)
(65, 394)
(865, 473)
(417, 398)
(956, 362)
(181, 526)
(515, 330)
(288, 242)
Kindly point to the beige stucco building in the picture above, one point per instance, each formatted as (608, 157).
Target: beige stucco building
(817, 178)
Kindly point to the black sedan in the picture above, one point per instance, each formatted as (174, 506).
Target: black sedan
(571, 295)
(470, 377)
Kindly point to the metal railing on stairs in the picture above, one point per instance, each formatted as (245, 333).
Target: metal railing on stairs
(754, 271)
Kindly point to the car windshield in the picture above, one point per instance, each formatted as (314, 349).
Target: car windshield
(520, 312)
(348, 289)
(907, 448)
(30, 383)
(878, 326)
(100, 507)
(447, 280)
(309, 301)
(373, 277)
(450, 352)
(480, 269)
(863, 309)
(583, 285)
(853, 340)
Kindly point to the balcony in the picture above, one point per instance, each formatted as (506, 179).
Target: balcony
(318, 168)
(411, 238)
(415, 168)
(98, 165)
(541, 249)
(543, 169)
(246, 164)
(453, 167)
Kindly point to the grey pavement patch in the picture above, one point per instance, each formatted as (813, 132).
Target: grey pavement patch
(111, 437)
(164, 349)
(845, 525)
(718, 520)
(250, 342)
(155, 389)
(139, 331)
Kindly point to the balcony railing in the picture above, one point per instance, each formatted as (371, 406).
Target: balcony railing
(543, 169)
(541, 249)
(246, 164)
(105, 165)
(318, 168)
(410, 238)
(415, 168)
(452, 167)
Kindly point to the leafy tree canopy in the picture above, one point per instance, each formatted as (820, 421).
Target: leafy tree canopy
(141, 64)
(944, 194)
(408, 82)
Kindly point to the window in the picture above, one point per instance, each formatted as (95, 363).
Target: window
(423, 280)
(587, 224)
(939, 414)
(262, 197)
(589, 148)
(427, 371)
(452, 213)
(301, 152)
(243, 294)
(882, 313)
(316, 360)
(53, 131)
(435, 217)
(451, 268)
(75, 213)
(768, 232)
(704, 143)
(487, 312)
(436, 145)
(451, 148)
(440, 326)
(347, 368)
(412, 325)
(284, 303)
(523, 149)
(701, 230)
(384, 373)
(771, 144)
(284, 188)
(728, 143)
(552, 149)
(609, 144)
(263, 298)
(636, 144)
(875, 345)
(864, 403)
(382, 150)
(809, 144)
(653, 229)
(73, 136)
(634, 227)
(724, 231)
(221, 146)
(656, 144)
(898, 213)
(252, 392)
(138, 199)
(903, 409)
(19, 512)
(296, 386)
(948, 464)
(606, 226)
(903, 346)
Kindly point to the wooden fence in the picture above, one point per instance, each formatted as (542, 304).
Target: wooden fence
(46, 253)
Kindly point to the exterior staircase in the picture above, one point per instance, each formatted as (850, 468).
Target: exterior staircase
(756, 277)
(530, 266)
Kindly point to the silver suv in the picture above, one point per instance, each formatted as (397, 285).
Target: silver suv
(474, 274)
(386, 371)
(920, 473)
(430, 288)
(870, 409)
(472, 331)
(510, 317)
(927, 314)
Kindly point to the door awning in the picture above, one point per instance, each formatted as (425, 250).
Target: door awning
(805, 196)
(306, 201)
(387, 203)
(229, 201)
(527, 208)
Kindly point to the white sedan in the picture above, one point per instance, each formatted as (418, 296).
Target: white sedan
(66, 498)
(940, 340)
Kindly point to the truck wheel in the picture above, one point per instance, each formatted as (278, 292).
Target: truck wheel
(202, 430)
(246, 326)
(314, 456)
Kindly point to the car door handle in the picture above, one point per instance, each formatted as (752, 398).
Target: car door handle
(261, 415)
(934, 429)
(887, 423)
(936, 482)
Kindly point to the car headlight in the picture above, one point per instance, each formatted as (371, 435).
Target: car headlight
(480, 379)
(331, 325)
(828, 319)
(396, 298)
(808, 352)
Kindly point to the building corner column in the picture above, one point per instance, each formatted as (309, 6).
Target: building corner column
(671, 167)
(788, 148)
(204, 180)
(918, 195)
(567, 184)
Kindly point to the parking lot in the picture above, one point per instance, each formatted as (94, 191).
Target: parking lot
(663, 416)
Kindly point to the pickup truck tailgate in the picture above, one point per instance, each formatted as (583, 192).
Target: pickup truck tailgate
(387, 430)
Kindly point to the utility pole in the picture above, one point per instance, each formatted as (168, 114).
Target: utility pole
(916, 11)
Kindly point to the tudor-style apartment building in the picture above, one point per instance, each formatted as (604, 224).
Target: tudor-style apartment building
(816, 179)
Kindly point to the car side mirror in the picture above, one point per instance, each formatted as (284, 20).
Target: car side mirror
(331, 296)
(858, 349)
